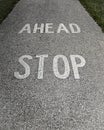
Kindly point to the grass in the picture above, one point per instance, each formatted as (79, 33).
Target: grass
(5, 7)
(96, 10)
(94, 7)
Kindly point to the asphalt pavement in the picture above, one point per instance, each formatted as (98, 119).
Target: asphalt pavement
(51, 68)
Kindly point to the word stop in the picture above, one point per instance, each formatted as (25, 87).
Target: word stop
(75, 66)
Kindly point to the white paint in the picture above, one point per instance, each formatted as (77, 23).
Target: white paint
(41, 65)
(74, 28)
(25, 65)
(62, 28)
(75, 66)
(41, 28)
(66, 73)
(48, 28)
(55, 67)
(26, 28)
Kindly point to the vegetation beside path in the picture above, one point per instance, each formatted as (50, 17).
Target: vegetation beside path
(94, 7)
(96, 10)
(5, 7)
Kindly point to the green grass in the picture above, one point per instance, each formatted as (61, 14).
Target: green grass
(94, 7)
(96, 10)
(5, 7)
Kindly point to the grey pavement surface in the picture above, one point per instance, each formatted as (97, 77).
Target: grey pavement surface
(51, 103)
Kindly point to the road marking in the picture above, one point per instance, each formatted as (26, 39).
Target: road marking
(26, 28)
(66, 74)
(25, 65)
(41, 65)
(66, 65)
(62, 28)
(74, 28)
(49, 28)
(76, 66)
(37, 28)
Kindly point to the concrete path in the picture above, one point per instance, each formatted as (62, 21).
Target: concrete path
(53, 79)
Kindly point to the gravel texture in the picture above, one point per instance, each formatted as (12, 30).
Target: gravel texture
(51, 103)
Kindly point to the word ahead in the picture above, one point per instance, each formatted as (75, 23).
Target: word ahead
(73, 58)
(50, 28)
